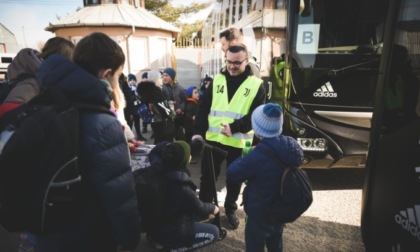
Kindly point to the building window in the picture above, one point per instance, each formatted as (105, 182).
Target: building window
(139, 52)
(161, 44)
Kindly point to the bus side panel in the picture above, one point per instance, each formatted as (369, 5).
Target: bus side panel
(391, 221)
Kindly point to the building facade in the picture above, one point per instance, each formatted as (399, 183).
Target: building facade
(146, 40)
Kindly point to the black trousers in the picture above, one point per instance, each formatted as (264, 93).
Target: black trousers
(136, 119)
(207, 182)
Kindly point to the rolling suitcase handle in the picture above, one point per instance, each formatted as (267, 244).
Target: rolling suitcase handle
(209, 149)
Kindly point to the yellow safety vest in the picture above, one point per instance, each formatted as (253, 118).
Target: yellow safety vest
(223, 111)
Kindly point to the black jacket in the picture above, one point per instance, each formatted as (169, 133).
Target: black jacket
(153, 96)
(182, 206)
(110, 202)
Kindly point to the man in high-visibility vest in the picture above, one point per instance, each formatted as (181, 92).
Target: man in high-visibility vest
(224, 120)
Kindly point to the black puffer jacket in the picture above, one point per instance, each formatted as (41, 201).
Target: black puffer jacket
(110, 213)
(181, 206)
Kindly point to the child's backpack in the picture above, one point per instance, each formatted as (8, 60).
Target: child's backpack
(145, 114)
(294, 196)
(40, 182)
(150, 188)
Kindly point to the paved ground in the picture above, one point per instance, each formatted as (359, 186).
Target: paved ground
(332, 223)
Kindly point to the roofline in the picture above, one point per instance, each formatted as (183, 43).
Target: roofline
(7, 29)
(54, 28)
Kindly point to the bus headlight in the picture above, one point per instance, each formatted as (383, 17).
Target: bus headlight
(313, 144)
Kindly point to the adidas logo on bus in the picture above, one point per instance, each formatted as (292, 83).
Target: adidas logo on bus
(409, 220)
(325, 91)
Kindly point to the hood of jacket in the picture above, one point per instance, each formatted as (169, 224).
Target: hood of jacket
(25, 64)
(78, 84)
(149, 92)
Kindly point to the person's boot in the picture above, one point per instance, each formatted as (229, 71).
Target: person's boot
(232, 220)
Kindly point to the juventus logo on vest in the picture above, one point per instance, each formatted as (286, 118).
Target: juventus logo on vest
(247, 90)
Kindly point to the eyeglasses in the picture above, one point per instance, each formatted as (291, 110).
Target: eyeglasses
(235, 63)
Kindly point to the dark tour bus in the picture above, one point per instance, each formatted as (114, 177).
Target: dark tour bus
(332, 59)
(391, 193)
(351, 98)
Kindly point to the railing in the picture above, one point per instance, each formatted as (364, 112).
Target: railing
(188, 43)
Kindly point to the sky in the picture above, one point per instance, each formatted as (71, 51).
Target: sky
(27, 19)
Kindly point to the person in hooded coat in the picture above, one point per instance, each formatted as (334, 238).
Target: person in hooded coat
(110, 219)
(178, 229)
(21, 72)
(263, 172)
(162, 124)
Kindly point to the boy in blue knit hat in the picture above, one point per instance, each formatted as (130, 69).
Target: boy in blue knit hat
(175, 93)
(191, 106)
(263, 174)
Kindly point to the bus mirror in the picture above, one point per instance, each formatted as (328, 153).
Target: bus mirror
(305, 8)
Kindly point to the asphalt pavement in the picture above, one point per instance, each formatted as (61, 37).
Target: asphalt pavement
(332, 223)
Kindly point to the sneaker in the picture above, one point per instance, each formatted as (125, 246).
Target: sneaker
(233, 221)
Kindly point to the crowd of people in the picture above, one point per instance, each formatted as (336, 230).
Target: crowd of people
(224, 112)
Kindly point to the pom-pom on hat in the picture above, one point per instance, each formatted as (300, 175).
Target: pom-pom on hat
(131, 77)
(171, 72)
(176, 154)
(189, 91)
(267, 120)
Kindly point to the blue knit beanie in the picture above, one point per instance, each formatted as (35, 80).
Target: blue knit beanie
(267, 120)
(131, 77)
(171, 72)
(189, 91)
(144, 75)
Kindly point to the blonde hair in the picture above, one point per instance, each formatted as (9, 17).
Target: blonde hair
(118, 100)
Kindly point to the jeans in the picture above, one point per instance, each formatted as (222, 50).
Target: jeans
(205, 234)
(259, 234)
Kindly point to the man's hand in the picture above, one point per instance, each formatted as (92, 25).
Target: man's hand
(216, 210)
(196, 144)
(226, 130)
